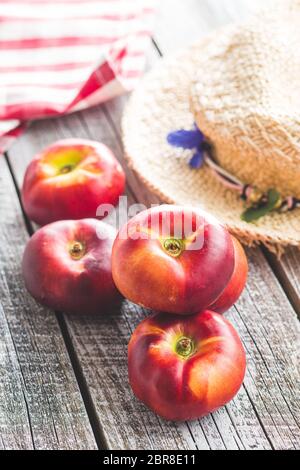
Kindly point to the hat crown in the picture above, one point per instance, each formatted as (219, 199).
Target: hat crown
(246, 98)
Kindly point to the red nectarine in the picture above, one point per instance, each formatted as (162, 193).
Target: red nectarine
(185, 367)
(67, 266)
(69, 180)
(238, 280)
(173, 259)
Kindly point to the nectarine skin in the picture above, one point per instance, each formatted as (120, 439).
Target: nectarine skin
(69, 180)
(67, 267)
(154, 266)
(185, 367)
(237, 282)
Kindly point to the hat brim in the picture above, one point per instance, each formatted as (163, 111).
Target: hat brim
(160, 105)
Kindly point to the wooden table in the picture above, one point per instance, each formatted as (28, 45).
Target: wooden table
(63, 379)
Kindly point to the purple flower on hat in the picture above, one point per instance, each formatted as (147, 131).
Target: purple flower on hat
(189, 140)
(197, 160)
(186, 139)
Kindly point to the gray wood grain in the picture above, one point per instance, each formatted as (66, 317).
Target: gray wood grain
(271, 334)
(287, 269)
(265, 413)
(40, 403)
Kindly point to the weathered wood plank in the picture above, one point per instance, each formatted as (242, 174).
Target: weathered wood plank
(271, 334)
(287, 269)
(40, 402)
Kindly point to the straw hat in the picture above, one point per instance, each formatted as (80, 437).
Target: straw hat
(241, 86)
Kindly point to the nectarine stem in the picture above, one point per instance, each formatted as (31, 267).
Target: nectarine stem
(66, 169)
(173, 246)
(185, 347)
(77, 250)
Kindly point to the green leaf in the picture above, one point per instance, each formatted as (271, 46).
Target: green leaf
(255, 213)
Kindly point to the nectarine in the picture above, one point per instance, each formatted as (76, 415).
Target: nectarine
(185, 367)
(67, 266)
(69, 180)
(173, 259)
(238, 280)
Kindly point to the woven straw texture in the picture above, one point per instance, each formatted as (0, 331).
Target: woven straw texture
(264, 144)
(246, 99)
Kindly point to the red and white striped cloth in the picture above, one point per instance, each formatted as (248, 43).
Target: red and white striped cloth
(58, 56)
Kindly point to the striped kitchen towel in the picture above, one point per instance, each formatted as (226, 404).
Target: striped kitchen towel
(59, 56)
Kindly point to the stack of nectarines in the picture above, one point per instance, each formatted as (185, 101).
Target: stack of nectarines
(186, 359)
